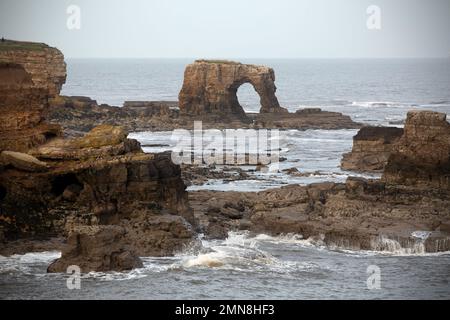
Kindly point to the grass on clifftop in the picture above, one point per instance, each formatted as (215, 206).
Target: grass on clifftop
(217, 61)
(8, 45)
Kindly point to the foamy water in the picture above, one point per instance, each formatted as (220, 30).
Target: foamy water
(316, 154)
(241, 267)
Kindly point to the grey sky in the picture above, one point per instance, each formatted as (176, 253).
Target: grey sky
(233, 28)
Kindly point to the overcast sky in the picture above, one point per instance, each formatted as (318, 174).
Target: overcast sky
(233, 28)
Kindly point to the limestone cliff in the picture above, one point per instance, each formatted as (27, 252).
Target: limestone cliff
(211, 87)
(422, 156)
(45, 64)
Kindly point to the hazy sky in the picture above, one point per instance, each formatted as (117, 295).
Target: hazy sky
(233, 28)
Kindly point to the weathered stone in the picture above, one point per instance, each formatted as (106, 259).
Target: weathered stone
(22, 161)
(98, 248)
(372, 147)
(101, 136)
(422, 155)
(210, 87)
(361, 214)
(45, 64)
(22, 106)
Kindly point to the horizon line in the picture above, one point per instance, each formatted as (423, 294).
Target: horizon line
(262, 58)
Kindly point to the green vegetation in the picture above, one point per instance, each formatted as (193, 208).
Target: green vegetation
(8, 45)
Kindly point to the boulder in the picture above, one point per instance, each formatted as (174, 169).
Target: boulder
(22, 161)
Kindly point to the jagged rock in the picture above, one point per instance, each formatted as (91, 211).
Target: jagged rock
(422, 155)
(372, 147)
(22, 161)
(98, 248)
(210, 87)
(45, 64)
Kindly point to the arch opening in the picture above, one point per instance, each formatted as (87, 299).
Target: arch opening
(248, 98)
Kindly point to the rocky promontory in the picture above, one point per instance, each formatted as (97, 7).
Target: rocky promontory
(45, 64)
(113, 202)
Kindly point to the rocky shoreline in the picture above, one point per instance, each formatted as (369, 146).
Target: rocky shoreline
(68, 171)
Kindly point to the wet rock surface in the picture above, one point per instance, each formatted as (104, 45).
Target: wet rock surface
(361, 214)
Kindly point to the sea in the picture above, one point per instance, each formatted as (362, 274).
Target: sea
(245, 266)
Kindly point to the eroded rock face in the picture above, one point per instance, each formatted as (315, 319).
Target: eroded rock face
(98, 248)
(372, 147)
(210, 87)
(22, 107)
(422, 155)
(45, 64)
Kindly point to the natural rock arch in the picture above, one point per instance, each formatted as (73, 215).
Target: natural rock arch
(210, 87)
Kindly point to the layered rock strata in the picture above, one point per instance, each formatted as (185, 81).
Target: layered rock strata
(22, 106)
(45, 64)
(422, 155)
(372, 147)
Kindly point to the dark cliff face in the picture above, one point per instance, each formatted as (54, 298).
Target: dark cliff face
(422, 156)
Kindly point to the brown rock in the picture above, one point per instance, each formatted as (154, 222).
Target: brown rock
(22, 108)
(45, 64)
(372, 147)
(210, 87)
(22, 161)
(99, 248)
(422, 155)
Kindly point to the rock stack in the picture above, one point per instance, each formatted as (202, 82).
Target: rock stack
(422, 155)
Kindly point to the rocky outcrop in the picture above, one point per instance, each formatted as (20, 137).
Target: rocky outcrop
(22, 107)
(78, 115)
(90, 184)
(45, 64)
(98, 248)
(372, 147)
(361, 214)
(100, 190)
(210, 87)
(422, 155)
